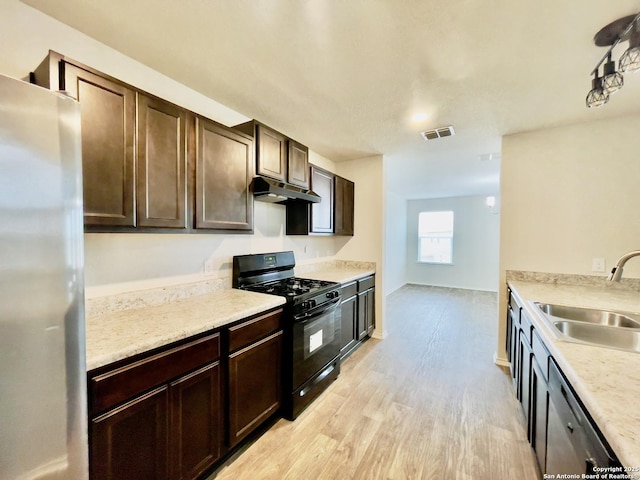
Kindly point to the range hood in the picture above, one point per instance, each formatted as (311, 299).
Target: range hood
(273, 191)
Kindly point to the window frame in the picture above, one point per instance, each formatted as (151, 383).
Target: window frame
(439, 237)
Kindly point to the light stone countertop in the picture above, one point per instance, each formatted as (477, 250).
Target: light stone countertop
(606, 380)
(122, 334)
(340, 275)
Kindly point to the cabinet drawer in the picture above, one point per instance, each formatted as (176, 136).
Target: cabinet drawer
(366, 283)
(116, 386)
(349, 290)
(255, 329)
(541, 353)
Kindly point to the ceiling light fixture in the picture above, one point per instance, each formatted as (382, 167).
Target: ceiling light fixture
(597, 96)
(612, 81)
(630, 59)
(625, 28)
(419, 117)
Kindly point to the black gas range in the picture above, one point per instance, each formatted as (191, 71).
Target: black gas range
(312, 324)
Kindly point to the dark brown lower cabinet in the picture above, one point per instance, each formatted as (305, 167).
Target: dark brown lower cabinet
(357, 312)
(255, 386)
(173, 432)
(515, 341)
(349, 325)
(366, 313)
(539, 407)
(159, 416)
(174, 412)
(524, 377)
(132, 441)
(196, 422)
(558, 429)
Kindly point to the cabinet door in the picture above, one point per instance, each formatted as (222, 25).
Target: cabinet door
(108, 128)
(271, 152)
(255, 385)
(196, 422)
(344, 206)
(366, 313)
(322, 212)
(223, 175)
(515, 342)
(524, 378)
(539, 408)
(370, 311)
(161, 165)
(298, 165)
(349, 325)
(131, 441)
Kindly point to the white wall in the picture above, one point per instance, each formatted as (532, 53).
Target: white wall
(570, 194)
(395, 272)
(476, 236)
(140, 260)
(368, 243)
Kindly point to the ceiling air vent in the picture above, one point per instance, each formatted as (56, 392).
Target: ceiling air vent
(438, 133)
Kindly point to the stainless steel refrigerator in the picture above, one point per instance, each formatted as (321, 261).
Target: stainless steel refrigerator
(43, 421)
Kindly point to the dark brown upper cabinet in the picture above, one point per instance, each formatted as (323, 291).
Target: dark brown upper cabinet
(334, 214)
(107, 111)
(298, 171)
(278, 156)
(161, 165)
(344, 206)
(149, 164)
(322, 218)
(224, 169)
(271, 153)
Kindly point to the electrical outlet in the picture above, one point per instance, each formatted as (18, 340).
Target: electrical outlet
(209, 267)
(597, 265)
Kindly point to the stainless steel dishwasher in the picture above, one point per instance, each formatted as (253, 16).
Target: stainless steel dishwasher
(574, 445)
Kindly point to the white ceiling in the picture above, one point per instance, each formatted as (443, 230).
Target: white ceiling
(345, 77)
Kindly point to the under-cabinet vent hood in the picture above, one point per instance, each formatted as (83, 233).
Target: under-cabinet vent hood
(272, 191)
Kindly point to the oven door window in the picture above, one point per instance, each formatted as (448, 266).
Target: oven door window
(318, 334)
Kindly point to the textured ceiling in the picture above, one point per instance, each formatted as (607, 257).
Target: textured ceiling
(345, 77)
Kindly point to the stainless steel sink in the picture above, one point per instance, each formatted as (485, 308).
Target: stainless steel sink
(620, 338)
(605, 328)
(590, 315)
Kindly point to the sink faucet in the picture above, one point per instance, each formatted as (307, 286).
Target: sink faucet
(616, 272)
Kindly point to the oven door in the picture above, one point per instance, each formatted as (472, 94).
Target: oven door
(316, 341)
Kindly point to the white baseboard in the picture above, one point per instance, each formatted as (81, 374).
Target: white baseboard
(501, 362)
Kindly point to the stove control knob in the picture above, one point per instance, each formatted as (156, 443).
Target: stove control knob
(305, 305)
(312, 303)
(332, 295)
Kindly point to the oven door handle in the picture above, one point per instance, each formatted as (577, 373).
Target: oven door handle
(317, 311)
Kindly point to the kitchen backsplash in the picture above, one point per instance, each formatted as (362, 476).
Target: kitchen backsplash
(102, 305)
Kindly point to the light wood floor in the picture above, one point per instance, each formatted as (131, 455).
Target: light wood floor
(426, 403)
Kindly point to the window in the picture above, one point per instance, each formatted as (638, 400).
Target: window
(435, 237)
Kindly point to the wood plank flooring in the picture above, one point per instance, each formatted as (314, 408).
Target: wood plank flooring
(426, 403)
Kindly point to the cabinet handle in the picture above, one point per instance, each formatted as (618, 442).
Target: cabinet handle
(591, 464)
(570, 427)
